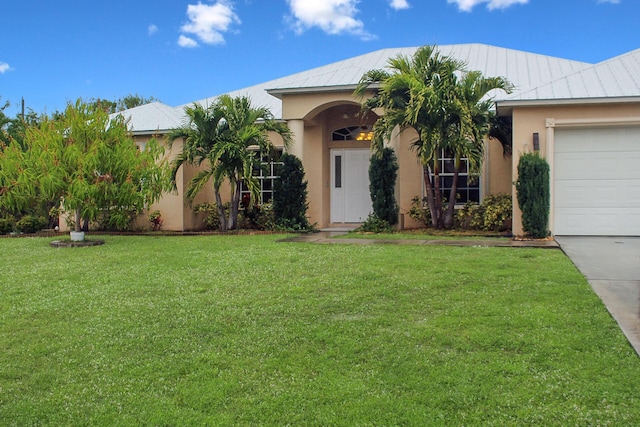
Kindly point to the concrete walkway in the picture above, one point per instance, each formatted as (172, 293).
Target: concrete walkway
(612, 267)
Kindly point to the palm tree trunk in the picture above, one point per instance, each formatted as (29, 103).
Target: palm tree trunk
(221, 215)
(437, 213)
(431, 201)
(448, 218)
(235, 205)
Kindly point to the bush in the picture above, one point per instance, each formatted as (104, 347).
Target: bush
(7, 225)
(533, 192)
(470, 216)
(114, 219)
(383, 171)
(258, 217)
(419, 211)
(265, 219)
(211, 219)
(290, 195)
(494, 214)
(498, 212)
(373, 224)
(155, 218)
(31, 224)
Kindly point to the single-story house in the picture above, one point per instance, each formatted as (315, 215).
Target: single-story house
(584, 118)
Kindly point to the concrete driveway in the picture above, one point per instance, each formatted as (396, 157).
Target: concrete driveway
(612, 267)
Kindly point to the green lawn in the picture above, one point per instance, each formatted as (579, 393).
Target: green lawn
(241, 330)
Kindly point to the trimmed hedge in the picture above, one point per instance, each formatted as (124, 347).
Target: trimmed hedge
(383, 172)
(290, 195)
(533, 192)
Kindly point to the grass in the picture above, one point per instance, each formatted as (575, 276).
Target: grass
(241, 330)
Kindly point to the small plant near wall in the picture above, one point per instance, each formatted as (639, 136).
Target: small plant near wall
(155, 218)
(419, 211)
(533, 192)
(211, 219)
(374, 224)
(494, 214)
(259, 217)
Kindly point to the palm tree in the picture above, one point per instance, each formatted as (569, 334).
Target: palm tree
(444, 104)
(231, 136)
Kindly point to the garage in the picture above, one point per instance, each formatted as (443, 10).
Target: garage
(597, 181)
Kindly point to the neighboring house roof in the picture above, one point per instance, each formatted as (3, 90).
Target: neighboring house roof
(153, 117)
(616, 79)
(533, 75)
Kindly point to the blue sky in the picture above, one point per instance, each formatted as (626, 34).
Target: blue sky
(180, 51)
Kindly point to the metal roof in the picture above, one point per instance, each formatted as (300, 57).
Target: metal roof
(615, 79)
(153, 117)
(524, 69)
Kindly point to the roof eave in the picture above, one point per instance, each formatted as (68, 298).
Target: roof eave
(279, 92)
(150, 132)
(566, 101)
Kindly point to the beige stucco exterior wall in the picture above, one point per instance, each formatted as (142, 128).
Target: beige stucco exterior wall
(496, 176)
(530, 120)
(177, 215)
(318, 114)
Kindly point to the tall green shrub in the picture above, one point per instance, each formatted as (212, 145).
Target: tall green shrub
(383, 172)
(533, 192)
(290, 195)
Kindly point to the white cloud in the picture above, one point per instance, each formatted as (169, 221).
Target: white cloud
(331, 16)
(152, 29)
(399, 4)
(208, 23)
(467, 5)
(609, 1)
(4, 67)
(185, 41)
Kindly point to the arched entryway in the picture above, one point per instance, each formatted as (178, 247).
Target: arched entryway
(333, 140)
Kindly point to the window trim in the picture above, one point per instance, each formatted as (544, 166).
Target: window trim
(266, 173)
(443, 159)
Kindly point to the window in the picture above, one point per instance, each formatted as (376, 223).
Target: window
(266, 175)
(468, 189)
(352, 133)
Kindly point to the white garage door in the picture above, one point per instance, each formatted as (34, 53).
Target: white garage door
(597, 181)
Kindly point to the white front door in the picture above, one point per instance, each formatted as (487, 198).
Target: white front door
(350, 197)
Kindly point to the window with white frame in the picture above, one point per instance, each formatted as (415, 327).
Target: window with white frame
(266, 174)
(468, 189)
